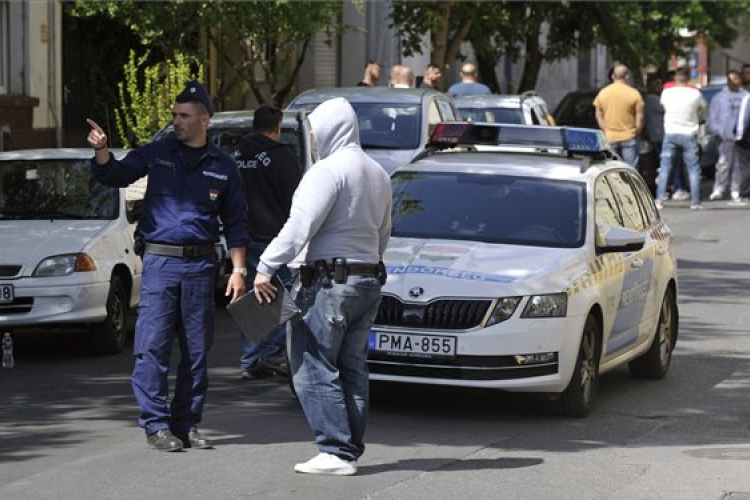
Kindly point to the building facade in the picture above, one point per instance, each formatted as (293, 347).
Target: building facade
(30, 74)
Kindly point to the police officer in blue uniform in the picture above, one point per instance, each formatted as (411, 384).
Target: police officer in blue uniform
(190, 184)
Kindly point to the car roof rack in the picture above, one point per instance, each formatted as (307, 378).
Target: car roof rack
(569, 140)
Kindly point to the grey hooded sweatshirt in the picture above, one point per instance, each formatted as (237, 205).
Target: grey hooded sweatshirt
(342, 207)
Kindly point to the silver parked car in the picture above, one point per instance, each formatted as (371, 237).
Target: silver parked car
(394, 124)
(524, 109)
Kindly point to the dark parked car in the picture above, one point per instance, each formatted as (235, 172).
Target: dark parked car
(577, 110)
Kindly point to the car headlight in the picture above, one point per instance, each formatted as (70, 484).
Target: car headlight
(546, 306)
(64, 265)
(504, 309)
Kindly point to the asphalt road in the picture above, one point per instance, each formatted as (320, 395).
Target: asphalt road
(68, 418)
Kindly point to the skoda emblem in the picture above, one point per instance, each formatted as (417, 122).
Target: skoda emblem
(416, 292)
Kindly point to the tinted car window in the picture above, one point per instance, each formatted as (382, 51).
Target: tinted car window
(446, 110)
(388, 126)
(577, 109)
(489, 208)
(651, 215)
(228, 137)
(492, 115)
(54, 189)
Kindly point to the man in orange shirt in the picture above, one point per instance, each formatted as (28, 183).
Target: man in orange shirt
(619, 113)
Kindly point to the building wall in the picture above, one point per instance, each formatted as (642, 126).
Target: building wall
(30, 97)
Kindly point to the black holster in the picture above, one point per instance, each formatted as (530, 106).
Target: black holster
(139, 243)
(382, 274)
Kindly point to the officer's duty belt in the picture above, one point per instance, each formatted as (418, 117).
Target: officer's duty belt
(183, 251)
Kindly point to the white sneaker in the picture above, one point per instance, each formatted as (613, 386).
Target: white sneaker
(716, 195)
(681, 195)
(739, 202)
(735, 196)
(327, 464)
(659, 204)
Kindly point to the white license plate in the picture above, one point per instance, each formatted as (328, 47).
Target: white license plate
(6, 294)
(410, 344)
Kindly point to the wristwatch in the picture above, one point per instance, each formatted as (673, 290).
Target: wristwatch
(241, 270)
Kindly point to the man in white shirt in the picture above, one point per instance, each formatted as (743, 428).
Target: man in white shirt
(683, 106)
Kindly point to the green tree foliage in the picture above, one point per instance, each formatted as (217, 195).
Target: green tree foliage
(264, 42)
(147, 94)
(636, 33)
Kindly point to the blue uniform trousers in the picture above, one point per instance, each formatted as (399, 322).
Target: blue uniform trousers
(176, 301)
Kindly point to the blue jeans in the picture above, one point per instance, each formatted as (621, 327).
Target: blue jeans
(628, 151)
(328, 360)
(274, 342)
(688, 146)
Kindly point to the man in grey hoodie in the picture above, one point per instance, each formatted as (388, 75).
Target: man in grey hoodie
(341, 214)
(722, 122)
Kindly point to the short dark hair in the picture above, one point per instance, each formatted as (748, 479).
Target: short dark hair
(267, 118)
(681, 76)
(734, 72)
(430, 66)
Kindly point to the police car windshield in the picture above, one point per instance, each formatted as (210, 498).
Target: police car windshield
(54, 189)
(489, 208)
(492, 115)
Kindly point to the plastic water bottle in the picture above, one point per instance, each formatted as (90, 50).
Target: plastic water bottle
(7, 351)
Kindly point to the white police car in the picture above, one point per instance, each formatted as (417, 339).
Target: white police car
(534, 269)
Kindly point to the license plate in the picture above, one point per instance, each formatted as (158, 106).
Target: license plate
(6, 294)
(410, 344)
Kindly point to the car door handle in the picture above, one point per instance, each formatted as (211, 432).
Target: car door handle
(636, 263)
(662, 249)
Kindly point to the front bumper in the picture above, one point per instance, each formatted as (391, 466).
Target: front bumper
(40, 302)
(488, 357)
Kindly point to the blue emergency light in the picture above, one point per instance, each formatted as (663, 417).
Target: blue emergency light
(580, 141)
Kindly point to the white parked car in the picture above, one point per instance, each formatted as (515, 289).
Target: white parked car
(67, 246)
(535, 269)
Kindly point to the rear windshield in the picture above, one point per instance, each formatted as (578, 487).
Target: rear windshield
(54, 189)
(385, 125)
(489, 208)
(492, 115)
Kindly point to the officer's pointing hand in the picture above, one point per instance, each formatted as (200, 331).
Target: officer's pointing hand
(97, 138)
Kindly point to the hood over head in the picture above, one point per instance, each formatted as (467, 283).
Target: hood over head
(334, 126)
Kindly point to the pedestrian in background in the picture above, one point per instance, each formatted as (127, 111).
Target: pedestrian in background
(742, 151)
(619, 113)
(342, 213)
(270, 173)
(675, 182)
(190, 184)
(371, 75)
(468, 84)
(723, 117)
(404, 78)
(431, 77)
(394, 75)
(683, 106)
(745, 73)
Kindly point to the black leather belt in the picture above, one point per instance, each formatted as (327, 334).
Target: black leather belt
(356, 269)
(362, 269)
(183, 251)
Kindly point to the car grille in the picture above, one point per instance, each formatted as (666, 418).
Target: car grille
(18, 306)
(7, 271)
(458, 368)
(437, 315)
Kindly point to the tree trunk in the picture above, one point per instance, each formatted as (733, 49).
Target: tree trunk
(439, 36)
(532, 63)
(486, 65)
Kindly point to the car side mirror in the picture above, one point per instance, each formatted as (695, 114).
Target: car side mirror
(133, 210)
(622, 239)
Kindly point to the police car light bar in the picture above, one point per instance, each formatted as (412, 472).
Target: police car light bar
(580, 141)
